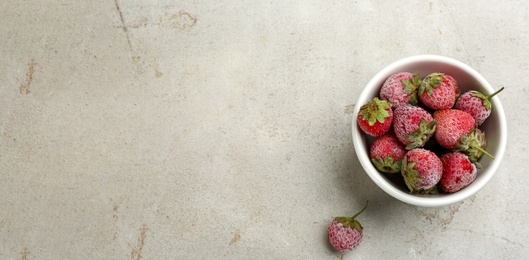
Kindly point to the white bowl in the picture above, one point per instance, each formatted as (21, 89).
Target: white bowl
(495, 127)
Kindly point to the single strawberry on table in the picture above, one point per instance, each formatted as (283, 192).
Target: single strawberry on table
(476, 104)
(401, 88)
(458, 172)
(346, 233)
(422, 169)
(386, 153)
(375, 117)
(438, 91)
(413, 125)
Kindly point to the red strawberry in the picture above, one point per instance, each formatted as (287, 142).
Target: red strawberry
(421, 169)
(345, 233)
(452, 125)
(456, 131)
(375, 117)
(476, 104)
(400, 89)
(413, 125)
(386, 153)
(458, 172)
(438, 91)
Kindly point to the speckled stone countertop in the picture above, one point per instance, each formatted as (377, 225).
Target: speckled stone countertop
(222, 130)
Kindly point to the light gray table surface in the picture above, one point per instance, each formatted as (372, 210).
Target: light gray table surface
(222, 129)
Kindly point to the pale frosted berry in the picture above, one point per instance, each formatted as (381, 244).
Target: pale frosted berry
(346, 233)
(476, 104)
(400, 89)
(413, 126)
(421, 169)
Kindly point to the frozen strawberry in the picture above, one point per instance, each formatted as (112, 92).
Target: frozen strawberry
(452, 125)
(346, 233)
(456, 131)
(413, 125)
(438, 91)
(375, 117)
(400, 89)
(458, 172)
(476, 104)
(386, 153)
(421, 169)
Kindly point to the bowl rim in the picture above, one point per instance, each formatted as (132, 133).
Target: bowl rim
(419, 200)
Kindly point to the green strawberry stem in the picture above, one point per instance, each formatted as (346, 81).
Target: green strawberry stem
(482, 150)
(351, 222)
(421, 135)
(431, 191)
(431, 81)
(360, 212)
(388, 164)
(375, 110)
(410, 175)
(494, 94)
(411, 86)
(486, 99)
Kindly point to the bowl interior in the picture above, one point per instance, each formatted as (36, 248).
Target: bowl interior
(468, 79)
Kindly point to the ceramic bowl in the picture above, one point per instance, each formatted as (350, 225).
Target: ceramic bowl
(495, 128)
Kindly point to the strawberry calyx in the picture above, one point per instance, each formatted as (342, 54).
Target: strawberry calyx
(431, 81)
(410, 88)
(473, 146)
(375, 110)
(387, 165)
(351, 221)
(420, 136)
(485, 99)
(431, 191)
(411, 176)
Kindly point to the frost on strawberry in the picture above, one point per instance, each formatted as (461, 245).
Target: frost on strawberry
(458, 172)
(401, 88)
(346, 233)
(452, 126)
(438, 91)
(456, 131)
(375, 117)
(421, 169)
(477, 104)
(386, 153)
(413, 126)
